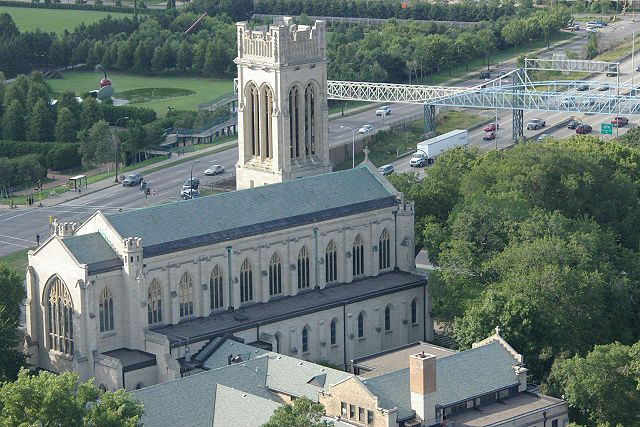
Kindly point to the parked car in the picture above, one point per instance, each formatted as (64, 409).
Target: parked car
(573, 124)
(491, 127)
(582, 88)
(386, 169)
(583, 129)
(189, 193)
(601, 23)
(192, 183)
(214, 170)
(544, 136)
(485, 75)
(619, 121)
(535, 124)
(638, 68)
(489, 135)
(365, 129)
(133, 180)
(383, 111)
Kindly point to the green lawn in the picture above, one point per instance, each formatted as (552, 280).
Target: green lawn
(451, 119)
(16, 260)
(54, 20)
(196, 89)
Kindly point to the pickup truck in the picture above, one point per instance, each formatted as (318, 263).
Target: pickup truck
(619, 121)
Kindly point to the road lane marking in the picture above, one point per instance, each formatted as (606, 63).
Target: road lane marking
(15, 244)
(16, 238)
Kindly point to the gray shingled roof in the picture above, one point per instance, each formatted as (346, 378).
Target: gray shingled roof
(93, 250)
(190, 401)
(198, 222)
(239, 409)
(459, 377)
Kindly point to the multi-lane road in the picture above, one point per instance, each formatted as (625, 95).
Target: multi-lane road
(18, 227)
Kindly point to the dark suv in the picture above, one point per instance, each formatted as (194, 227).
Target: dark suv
(485, 75)
(133, 180)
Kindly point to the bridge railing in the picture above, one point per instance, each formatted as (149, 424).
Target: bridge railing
(218, 102)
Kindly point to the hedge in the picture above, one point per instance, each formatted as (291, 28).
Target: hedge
(51, 155)
(63, 156)
(112, 113)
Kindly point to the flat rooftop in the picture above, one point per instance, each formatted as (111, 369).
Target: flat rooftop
(395, 359)
(217, 324)
(505, 410)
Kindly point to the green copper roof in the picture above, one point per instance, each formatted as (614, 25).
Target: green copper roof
(228, 216)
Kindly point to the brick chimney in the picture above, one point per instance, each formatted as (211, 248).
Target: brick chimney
(422, 383)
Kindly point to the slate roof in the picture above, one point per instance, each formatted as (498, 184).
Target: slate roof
(192, 400)
(92, 249)
(227, 216)
(239, 409)
(222, 323)
(459, 377)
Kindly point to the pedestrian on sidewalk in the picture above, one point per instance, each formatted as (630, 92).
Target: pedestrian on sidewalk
(38, 240)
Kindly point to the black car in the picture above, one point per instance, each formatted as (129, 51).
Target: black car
(573, 124)
(485, 75)
(191, 183)
(582, 88)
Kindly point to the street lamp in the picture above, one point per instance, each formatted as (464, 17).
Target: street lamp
(191, 180)
(353, 145)
(633, 59)
(115, 125)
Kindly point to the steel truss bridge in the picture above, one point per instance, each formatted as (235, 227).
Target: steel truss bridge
(513, 91)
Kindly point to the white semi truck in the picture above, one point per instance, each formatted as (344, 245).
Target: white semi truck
(428, 150)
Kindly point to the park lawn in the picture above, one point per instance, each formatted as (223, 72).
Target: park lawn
(54, 20)
(205, 89)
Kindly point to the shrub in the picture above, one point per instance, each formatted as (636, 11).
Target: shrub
(63, 156)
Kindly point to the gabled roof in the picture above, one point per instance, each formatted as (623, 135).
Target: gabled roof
(94, 251)
(459, 377)
(191, 400)
(239, 409)
(227, 216)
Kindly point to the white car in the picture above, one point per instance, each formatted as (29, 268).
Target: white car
(535, 124)
(383, 111)
(214, 170)
(365, 129)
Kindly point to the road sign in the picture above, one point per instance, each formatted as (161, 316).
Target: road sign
(606, 129)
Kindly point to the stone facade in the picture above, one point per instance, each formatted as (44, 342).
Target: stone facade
(282, 103)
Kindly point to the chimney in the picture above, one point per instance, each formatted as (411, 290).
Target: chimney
(422, 383)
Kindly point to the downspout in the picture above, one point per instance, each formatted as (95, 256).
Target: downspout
(315, 253)
(229, 253)
(395, 237)
(344, 334)
(258, 332)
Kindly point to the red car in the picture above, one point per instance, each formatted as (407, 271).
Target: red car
(489, 135)
(491, 127)
(619, 121)
(583, 129)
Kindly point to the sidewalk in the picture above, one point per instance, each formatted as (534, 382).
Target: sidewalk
(109, 182)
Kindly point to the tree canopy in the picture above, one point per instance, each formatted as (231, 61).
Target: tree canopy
(12, 291)
(301, 413)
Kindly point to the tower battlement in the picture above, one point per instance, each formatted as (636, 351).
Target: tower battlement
(282, 43)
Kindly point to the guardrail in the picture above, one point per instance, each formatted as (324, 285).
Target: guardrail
(390, 124)
(223, 99)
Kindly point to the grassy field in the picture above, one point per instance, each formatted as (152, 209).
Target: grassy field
(16, 260)
(451, 119)
(53, 20)
(195, 89)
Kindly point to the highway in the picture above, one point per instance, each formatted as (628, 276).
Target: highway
(19, 227)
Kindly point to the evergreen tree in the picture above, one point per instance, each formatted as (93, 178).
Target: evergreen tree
(13, 123)
(68, 100)
(40, 126)
(37, 92)
(12, 291)
(185, 54)
(65, 130)
(90, 113)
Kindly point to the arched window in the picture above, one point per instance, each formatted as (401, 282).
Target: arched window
(361, 324)
(387, 318)
(216, 288)
(357, 256)
(275, 275)
(384, 250)
(60, 317)
(266, 105)
(414, 310)
(253, 118)
(186, 296)
(334, 331)
(305, 339)
(105, 308)
(331, 262)
(294, 121)
(278, 338)
(246, 281)
(309, 120)
(154, 302)
(303, 268)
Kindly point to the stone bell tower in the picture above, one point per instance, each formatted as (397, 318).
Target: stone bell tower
(282, 103)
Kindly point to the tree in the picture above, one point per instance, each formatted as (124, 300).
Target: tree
(49, 399)
(8, 28)
(65, 130)
(90, 113)
(602, 386)
(96, 144)
(12, 291)
(13, 123)
(302, 413)
(40, 123)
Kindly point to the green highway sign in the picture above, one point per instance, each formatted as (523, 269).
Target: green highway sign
(606, 129)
